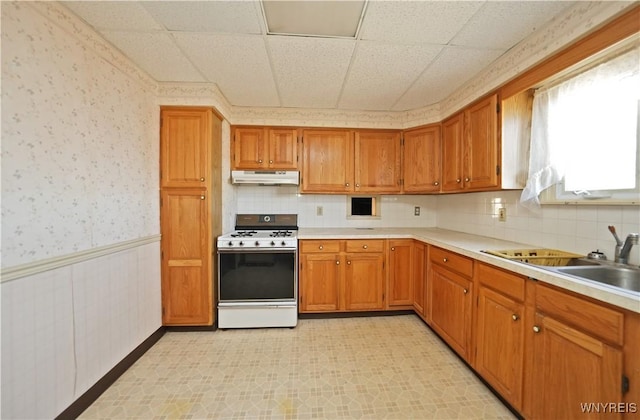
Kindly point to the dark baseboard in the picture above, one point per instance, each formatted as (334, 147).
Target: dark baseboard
(325, 315)
(85, 400)
(187, 328)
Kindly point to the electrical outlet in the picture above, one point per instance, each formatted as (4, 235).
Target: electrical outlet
(502, 214)
(416, 211)
(319, 211)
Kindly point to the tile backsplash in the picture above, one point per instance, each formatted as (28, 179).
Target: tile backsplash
(568, 227)
(395, 210)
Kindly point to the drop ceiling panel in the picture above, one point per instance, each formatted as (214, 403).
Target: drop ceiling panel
(310, 71)
(380, 73)
(433, 22)
(114, 15)
(238, 64)
(504, 24)
(208, 16)
(326, 18)
(156, 54)
(453, 67)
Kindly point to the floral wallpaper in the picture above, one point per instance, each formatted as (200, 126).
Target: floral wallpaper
(79, 142)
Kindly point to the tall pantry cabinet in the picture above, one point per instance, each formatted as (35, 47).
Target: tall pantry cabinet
(190, 208)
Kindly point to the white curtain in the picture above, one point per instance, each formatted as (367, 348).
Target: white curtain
(585, 130)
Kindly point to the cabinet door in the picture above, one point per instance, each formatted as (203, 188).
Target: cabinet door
(452, 137)
(481, 151)
(572, 368)
(249, 148)
(327, 161)
(500, 344)
(363, 281)
(283, 148)
(419, 277)
(320, 275)
(450, 304)
(184, 147)
(400, 273)
(377, 162)
(421, 160)
(187, 297)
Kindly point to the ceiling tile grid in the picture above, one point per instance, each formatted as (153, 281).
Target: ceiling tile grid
(407, 54)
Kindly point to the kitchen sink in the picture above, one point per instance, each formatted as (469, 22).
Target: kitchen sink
(623, 277)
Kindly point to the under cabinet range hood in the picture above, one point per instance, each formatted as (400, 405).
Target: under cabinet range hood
(265, 177)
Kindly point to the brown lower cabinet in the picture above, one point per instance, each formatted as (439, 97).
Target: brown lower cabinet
(340, 275)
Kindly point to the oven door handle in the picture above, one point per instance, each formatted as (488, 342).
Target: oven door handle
(257, 251)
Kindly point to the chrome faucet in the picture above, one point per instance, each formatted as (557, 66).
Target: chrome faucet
(623, 249)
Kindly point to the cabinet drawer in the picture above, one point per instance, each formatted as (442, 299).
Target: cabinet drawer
(320, 246)
(365, 245)
(452, 261)
(502, 281)
(589, 317)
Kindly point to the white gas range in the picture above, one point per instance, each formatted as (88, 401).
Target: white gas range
(258, 272)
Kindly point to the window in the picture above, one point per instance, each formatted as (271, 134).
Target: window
(584, 133)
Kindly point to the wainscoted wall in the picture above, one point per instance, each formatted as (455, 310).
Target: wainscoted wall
(79, 173)
(63, 329)
(568, 227)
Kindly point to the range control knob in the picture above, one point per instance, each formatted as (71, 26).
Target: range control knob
(241, 243)
(257, 243)
(230, 243)
(283, 243)
(273, 243)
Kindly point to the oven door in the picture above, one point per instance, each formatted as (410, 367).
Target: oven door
(257, 276)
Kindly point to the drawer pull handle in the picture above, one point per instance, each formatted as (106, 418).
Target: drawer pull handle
(515, 317)
(536, 329)
(365, 246)
(321, 247)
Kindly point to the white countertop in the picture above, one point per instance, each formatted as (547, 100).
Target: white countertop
(472, 245)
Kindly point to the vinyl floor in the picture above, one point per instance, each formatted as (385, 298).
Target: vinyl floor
(386, 367)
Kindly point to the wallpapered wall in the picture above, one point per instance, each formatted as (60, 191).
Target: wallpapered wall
(79, 144)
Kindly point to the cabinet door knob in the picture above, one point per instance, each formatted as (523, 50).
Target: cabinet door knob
(458, 180)
(467, 179)
(346, 185)
(321, 247)
(536, 329)
(202, 179)
(270, 160)
(259, 160)
(365, 246)
(465, 291)
(436, 183)
(393, 248)
(337, 262)
(348, 262)
(444, 260)
(202, 197)
(357, 185)
(515, 317)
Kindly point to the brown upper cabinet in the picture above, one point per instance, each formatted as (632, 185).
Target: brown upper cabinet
(470, 148)
(377, 161)
(421, 160)
(327, 161)
(265, 148)
(343, 161)
(184, 149)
